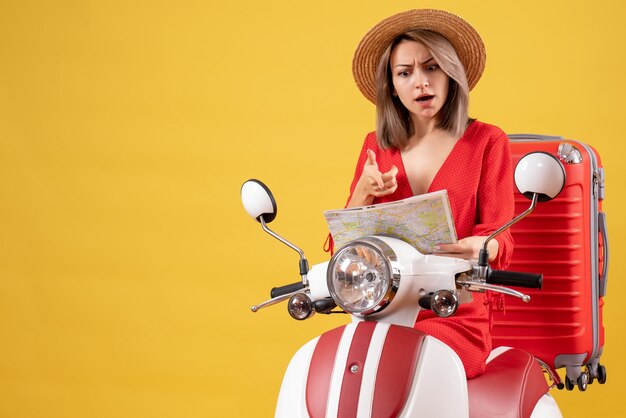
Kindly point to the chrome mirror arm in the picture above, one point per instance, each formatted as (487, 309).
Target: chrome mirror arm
(483, 258)
(513, 221)
(304, 264)
(281, 239)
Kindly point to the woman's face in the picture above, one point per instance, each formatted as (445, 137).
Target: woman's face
(418, 81)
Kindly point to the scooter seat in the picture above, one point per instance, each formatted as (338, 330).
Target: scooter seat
(512, 384)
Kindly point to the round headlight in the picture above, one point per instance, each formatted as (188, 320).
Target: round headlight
(360, 276)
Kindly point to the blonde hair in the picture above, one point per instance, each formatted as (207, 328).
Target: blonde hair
(393, 121)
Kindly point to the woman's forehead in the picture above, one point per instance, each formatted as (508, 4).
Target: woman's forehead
(410, 50)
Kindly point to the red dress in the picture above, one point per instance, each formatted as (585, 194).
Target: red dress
(478, 176)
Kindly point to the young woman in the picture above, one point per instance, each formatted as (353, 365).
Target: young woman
(418, 67)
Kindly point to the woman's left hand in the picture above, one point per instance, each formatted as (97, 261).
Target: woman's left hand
(468, 248)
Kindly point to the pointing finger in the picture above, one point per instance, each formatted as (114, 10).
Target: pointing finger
(371, 157)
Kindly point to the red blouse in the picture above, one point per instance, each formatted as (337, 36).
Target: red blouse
(478, 176)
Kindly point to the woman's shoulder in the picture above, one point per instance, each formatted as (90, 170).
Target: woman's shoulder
(371, 142)
(371, 137)
(485, 132)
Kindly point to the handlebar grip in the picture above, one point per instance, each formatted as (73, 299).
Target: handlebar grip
(283, 290)
(515, 278)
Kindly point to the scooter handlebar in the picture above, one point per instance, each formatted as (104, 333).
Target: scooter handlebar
(515, 278)
(284, 290)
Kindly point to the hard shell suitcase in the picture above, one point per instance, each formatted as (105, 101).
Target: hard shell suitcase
(565, 239)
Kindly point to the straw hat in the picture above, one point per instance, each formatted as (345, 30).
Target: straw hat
(463, 37)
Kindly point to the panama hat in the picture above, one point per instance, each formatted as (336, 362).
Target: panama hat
(461, 35)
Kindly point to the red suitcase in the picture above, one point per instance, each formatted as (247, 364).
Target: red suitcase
(566, 240)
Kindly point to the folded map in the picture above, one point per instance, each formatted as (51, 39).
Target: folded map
(423, 221)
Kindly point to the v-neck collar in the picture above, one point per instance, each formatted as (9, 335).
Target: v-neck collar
(443, 165)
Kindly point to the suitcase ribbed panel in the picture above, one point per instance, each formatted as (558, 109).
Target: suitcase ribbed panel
(557, 240)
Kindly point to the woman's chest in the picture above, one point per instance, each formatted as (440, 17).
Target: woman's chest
(459, 172)
(422, 164)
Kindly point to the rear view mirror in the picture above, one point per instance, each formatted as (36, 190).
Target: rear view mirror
(258, 200)
(539, 173)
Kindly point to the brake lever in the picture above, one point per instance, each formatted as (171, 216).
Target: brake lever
(277, 299)
(478, 286)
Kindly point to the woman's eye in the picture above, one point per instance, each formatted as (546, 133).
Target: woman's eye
(403, 74)
(432, 67)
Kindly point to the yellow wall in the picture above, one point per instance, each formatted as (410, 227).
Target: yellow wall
(127, 265)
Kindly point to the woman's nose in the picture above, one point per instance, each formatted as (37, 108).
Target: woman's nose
(421, 81)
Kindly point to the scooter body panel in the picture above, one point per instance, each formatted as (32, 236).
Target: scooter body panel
(546, 408)
(426, 398)
(373, 388)
(292, 395)
(436, 385)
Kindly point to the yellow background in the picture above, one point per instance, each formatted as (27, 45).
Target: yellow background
(127, 264)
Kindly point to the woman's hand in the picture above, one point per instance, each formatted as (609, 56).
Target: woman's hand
(373, 183)
(468, 248)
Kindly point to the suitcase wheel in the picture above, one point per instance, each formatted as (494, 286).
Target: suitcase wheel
(581, 382)
(568, 384)
(591, 372)
(596, 371)
(601, 374)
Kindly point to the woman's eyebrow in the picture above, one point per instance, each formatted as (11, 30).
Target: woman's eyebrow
(424, 62)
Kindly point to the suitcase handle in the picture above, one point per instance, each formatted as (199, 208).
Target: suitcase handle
(534, 137)
(605, 245)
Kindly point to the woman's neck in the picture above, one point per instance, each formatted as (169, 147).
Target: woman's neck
(423, 128)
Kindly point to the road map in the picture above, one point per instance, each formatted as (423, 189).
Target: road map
(423, 221)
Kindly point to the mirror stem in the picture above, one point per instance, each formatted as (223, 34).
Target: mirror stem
(483, 259)
(304, 264)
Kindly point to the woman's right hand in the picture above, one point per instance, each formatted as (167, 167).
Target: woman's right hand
(373, 183)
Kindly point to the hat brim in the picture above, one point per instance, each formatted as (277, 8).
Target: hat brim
(461, 35)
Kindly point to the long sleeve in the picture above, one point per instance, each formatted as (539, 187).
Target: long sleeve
(495, 203)
(369, 143)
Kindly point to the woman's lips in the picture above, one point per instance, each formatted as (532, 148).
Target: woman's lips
(425, 100)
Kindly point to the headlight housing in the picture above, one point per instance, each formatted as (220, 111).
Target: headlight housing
(361, 277)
